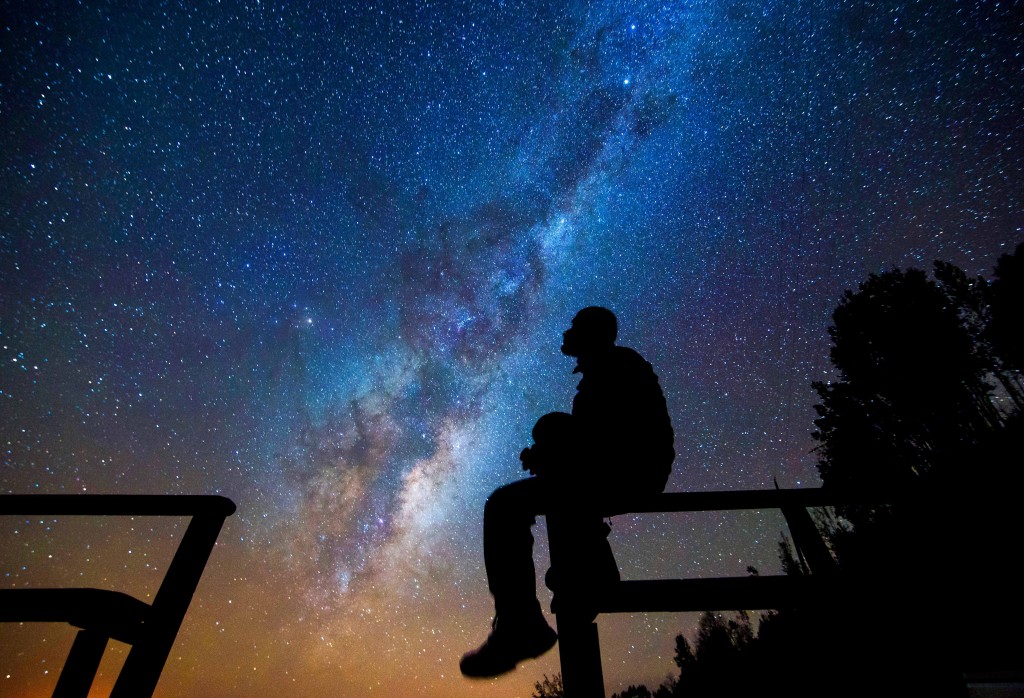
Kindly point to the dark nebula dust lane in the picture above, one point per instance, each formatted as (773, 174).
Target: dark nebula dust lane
(319, 259)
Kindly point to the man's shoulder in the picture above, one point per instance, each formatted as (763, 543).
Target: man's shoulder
(625, 356)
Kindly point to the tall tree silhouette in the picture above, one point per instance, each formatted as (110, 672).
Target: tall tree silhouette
(1007, 302)
(912, 391)
(985, 311)
(926, 412)
(916, 417)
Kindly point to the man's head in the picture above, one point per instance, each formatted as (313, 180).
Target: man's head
(593, 329)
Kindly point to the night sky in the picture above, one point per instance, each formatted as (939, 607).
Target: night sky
(318, 257)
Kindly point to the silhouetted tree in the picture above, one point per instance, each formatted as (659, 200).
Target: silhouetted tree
(975, 301)
(549, 687)
(912, 392)
(916, 417)
(1007, 304)
(720, 662)
(640, 691)
(791, 564)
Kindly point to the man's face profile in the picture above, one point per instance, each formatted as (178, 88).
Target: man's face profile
(571, 340)
(593, 329)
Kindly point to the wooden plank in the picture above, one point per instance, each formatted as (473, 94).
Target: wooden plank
(723, 594)
(115, 505)
(736, 499)
(112, 613)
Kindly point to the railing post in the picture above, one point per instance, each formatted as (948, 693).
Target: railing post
(580, 656)
(579, 648)
(578, 605)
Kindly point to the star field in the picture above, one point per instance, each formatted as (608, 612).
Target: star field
(318, 259)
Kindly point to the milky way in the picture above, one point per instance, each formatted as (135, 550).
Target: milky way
(318, 259)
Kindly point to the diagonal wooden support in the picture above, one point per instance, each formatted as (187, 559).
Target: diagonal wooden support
(81, 665)
(145, 661)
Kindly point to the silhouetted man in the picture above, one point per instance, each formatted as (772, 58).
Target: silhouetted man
(616, 445)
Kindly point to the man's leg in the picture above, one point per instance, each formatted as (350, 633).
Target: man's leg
(520, 630)
(509, 514)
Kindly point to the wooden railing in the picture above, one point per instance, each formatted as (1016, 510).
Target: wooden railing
(579, 645)
(101, 614)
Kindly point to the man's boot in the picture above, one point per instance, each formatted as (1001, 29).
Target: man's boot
(515, 636)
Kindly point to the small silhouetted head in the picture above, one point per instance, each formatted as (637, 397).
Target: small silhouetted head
(554, 440)
(593, 329)
(553, 428)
